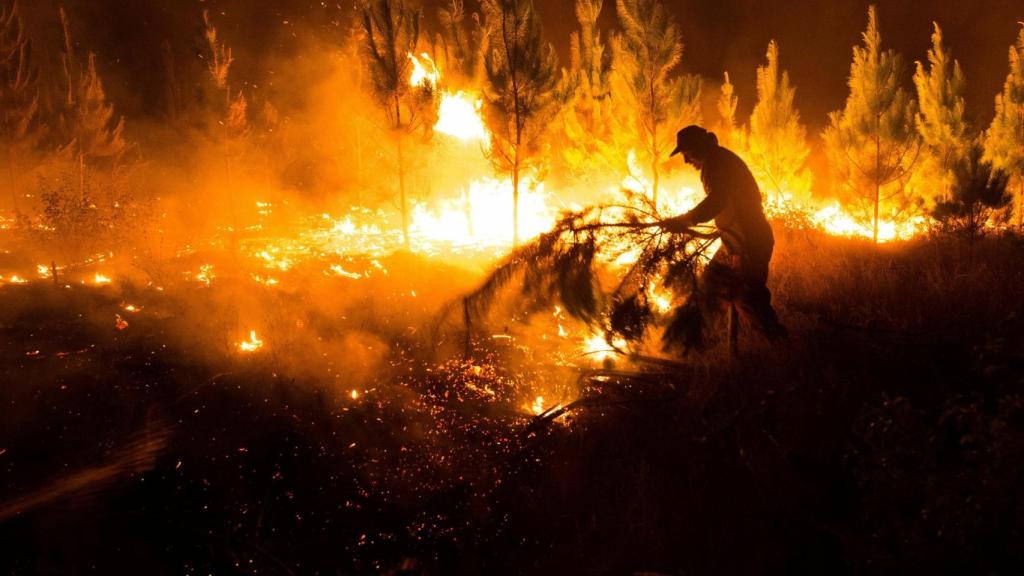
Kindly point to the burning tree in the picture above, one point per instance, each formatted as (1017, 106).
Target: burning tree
(978, 189)
(645, 55)
(392, 29)
(872, 143)
(565, 266)
(726, 105)
(1004, 140)
(940, 120)
(19, 94)
(777, 146)
(521, 100)
(587, 120)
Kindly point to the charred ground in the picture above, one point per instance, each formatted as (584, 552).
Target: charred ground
(884, 437)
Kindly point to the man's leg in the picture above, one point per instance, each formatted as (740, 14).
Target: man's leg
(755, 300)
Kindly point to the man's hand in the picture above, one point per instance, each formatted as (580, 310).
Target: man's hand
(677, 225)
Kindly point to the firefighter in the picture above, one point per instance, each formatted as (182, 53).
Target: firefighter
(738, 273)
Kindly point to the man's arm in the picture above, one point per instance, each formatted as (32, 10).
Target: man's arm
(708, 208)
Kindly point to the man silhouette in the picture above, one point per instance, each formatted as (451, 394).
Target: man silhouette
(738, 273)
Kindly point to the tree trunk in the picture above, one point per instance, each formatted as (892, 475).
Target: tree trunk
(14, 184)
(878, 192)
(81, 176)
(655, 183)
(655, 173)
(1020, 205)
(878, 185)
(401, 193)
(515, 203)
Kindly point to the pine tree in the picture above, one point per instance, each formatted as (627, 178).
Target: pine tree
(219, 59)
(727, 103)
(645, 56)
(462, 44)
(940, 120)
(872, 143)
(777, 147)
(232, 115)
(587, 120)
(978, 189)
(392, 29)
(19, 94)
(520, 98)
(91, 133)
(1004, 140)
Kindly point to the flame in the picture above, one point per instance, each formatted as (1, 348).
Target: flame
(459, 117)
(43, 270)
(131, 308)
(482, 217)
(354, 394)
(120, 323)
(101, 279)
(15, 279)
(538, 405)
(835, 221)
(252, 344)
(661, 298)
(597, 348)
(424, 71)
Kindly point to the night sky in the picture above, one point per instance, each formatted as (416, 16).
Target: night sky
(815, 38)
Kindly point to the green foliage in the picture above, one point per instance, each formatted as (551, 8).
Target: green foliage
(656, 104)
(520, 97)
(978, 190)
(1004, 140)
(564, 265)
(872, 143)
(777, 147)
(940, 120)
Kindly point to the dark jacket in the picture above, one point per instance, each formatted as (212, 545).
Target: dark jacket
(734, 201)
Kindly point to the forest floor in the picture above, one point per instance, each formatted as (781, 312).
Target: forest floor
(885, 436)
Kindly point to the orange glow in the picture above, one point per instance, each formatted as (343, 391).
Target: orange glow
(538, 405)
(596, 348)
(835, 221)
(481, 217)
(101, 279)
(459, 117)
(206, 274)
